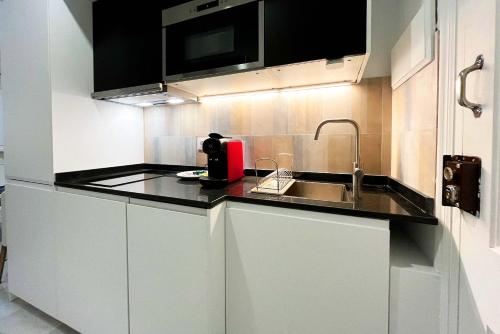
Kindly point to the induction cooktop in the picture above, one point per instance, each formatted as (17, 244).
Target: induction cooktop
(119, 181)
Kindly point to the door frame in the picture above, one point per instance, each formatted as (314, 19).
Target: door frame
(495, 230)
(450, 127)
(448, 261)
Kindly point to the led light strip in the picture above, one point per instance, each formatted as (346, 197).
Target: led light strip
(277, 91)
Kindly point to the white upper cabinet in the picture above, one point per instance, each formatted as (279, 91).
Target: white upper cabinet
(51, 122)
(26, 90)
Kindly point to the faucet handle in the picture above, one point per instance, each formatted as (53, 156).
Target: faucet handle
(357, 182)
(359, 173)
(356, 166)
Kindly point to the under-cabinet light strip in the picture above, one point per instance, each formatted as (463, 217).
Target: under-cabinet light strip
(278, 90)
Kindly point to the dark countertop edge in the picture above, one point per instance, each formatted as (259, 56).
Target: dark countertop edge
(417, 198)
(423, 202)
(420, 201)
(394, 218)
(153, 198)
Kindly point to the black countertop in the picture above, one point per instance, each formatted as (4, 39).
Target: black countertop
(383, 197)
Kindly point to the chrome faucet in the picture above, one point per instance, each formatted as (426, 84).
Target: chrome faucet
(357, 175)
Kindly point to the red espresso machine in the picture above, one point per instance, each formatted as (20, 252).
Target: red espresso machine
(225, 161)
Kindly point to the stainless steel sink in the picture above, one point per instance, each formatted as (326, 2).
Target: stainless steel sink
(319, 191)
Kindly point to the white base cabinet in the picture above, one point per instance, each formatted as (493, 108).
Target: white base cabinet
(176, 271)
(68, 257)
(31, 241)
(109, 266)
(415, 289)
(91, 233)
(296, 272)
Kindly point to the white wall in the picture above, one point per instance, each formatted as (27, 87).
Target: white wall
(87, 133)
(52, 124)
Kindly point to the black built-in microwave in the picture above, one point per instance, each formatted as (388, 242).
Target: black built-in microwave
(202, 38)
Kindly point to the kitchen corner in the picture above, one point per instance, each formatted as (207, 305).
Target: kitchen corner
(383, 197)
(223, 166)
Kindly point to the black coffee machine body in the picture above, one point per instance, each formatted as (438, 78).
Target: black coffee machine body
(225, 160)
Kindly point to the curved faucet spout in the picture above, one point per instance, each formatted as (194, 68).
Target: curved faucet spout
(358, 174)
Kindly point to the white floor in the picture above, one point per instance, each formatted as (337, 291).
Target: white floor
(18, 317)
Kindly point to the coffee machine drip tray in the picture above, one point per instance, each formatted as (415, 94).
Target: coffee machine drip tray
(210, 182)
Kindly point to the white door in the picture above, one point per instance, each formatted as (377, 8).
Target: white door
(477, 238)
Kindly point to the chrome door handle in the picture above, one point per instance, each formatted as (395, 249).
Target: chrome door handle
(462, 91)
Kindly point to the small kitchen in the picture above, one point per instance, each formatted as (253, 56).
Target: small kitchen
(223, 166)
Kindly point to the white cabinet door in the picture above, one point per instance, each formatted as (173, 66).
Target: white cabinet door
(91, 263)
(171, 277)
(26, 90)
(32, 245)
(296, 272)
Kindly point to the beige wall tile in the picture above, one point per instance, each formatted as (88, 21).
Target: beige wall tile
(371, 147)
(373, 112)
(280, 122)
(313, 153)
(263, 148)
(426, 97)
(359, 98)
(367, 105)
(386, 105)
(338, 103)
(296, 113)
(414, 128)
(385, 159)
(205, 118)
(340, 153)
(427, 171)
(240, 118)
(282, 144)
(189, 117)
(396, 155)
(262, 115)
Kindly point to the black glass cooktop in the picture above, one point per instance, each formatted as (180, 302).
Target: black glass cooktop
(122, 180)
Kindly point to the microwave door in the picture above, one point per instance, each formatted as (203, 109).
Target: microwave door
(226, 41)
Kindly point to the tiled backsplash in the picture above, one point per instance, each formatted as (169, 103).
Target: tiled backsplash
(281, 122)
(415, 106)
